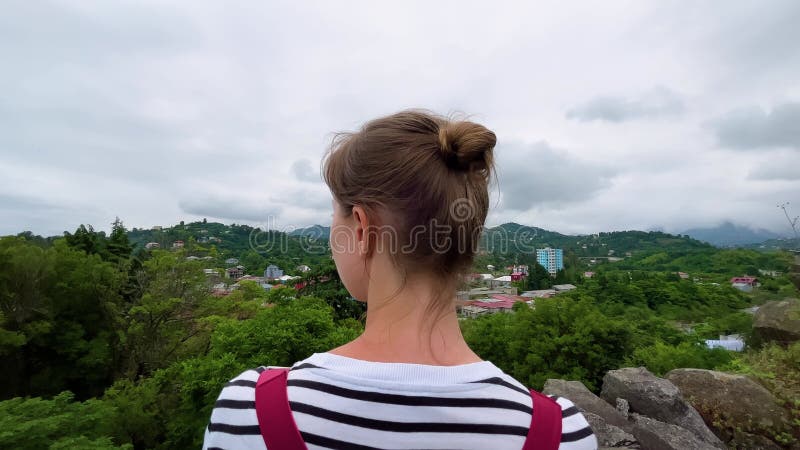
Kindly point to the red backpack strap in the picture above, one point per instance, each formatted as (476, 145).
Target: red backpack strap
(274, 414)
(545, 430)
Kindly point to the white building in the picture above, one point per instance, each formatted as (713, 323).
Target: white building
(564, 287)
(733, 342)
(501, 281)
(273, 272)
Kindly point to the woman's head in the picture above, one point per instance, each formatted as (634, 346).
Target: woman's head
(415, 186)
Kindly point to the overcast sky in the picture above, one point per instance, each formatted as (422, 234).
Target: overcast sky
(613, 116)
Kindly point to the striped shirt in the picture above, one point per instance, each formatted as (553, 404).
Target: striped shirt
(342, 402)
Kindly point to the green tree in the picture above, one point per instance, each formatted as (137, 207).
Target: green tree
(559, 338)
(59, 423)
(538, 277)
(162, 325)
(118, 245)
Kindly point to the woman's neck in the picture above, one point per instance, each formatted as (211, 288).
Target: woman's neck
(399, 327)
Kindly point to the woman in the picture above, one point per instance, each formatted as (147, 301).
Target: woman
(410, 197)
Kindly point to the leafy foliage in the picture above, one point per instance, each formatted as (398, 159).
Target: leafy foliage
(107, 345)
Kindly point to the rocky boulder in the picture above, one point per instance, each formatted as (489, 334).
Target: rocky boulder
(658, 399)
(612, 429)
(656, 435)
(730, 403)
(610, 436)
(586, 401)
(778, 321)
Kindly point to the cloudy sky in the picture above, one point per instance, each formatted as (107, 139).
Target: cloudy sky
(612, 116)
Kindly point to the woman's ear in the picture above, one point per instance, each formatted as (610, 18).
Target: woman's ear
(361, 228)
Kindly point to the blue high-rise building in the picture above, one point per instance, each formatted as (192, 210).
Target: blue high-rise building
(551, 259)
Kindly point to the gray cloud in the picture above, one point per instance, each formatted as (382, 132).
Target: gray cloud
(776, 169)
(755, 128)
(230, 208)
(659, 101)
(537, 175)
(162, 111)
(46, 216)
(303, 171)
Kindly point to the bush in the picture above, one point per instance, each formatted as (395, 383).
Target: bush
(660, 358)
(58, 423)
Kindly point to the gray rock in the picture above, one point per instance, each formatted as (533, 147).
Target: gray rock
(778, 321)
(657, 398)
(609, 436)
(656, 435)
(586, 401)
(732, 402)
(623, 407)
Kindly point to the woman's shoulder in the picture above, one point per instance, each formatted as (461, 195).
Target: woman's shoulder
(576, 433)
(233, 422)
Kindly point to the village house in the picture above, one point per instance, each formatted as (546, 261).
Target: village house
(261, 281)
(472, 311)
(498, 302)
(539, 293)
(769, 273)
(285, 278)
(177, 244)
(564, 287)
(505, 280)
(273, 272)
(493, 306)
(152, 245)
(234, 273)
(744, 284)
(732, 342)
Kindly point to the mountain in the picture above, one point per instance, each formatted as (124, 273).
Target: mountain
(513, 238)
(731, 235)
(314, 231)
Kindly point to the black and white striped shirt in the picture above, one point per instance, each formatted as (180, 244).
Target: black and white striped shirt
(342, 402)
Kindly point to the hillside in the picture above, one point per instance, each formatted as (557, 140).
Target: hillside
(730, 235)
(254, 247)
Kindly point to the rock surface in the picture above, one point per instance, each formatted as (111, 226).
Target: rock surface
(778, 321)
(659, 399)
(612, 429)
(730, 401)
(586, 401)
(657, 435)
(610, 436)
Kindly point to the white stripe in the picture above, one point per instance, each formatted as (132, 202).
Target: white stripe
(452, 382)
(402, 440)
(471, 390)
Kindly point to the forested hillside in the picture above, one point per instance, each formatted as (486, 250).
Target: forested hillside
(109, 345)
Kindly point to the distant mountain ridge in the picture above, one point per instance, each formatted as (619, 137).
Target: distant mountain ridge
(729, 234)
(314, 231)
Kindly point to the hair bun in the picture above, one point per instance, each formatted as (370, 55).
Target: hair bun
(466, 145)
